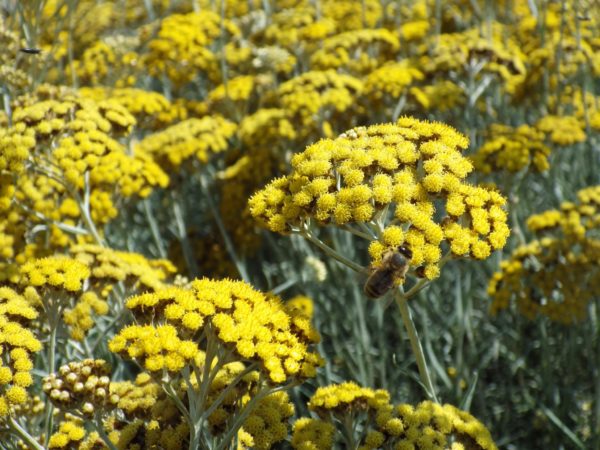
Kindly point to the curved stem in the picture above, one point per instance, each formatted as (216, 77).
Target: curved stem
(331, 252)
(23, 434)
(415, 344)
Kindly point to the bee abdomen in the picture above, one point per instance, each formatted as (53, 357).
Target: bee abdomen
(378, 284)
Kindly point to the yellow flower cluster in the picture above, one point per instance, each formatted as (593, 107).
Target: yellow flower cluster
(562, 130)
(456, 52)
(555, 275)
(80, 318)
(150, 419)
(111, 61)
(69, 435)
(390, 80)
(413, 167)
(55, 273)
(268, 422)
(428, 425)
(256, 327)
(138, 397)
(81, 387)
(151, 110)
(358, 52)
(298, 29)
(341, 399)
(182, 48)
(318, 96)
(17, 343)
(441, 96)
(199, 138)
(156, 348)
(312, 434)
(109, 266)
(350, 15)
(71, 149)
(512, 149)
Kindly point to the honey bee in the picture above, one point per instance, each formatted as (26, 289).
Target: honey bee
(394, 265)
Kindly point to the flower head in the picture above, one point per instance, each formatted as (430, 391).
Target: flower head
(398, 174)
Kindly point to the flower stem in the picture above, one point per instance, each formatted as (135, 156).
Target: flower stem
(331, 252)
(415, 343)
(23, 434)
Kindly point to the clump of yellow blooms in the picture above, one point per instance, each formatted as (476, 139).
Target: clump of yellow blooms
(384, 425)
(154, 347)
(17, 344)
(555, 275)
(55, 273)
(268, 422)
(562, 130)
(312, 434)
(349, 15)
(512, 149)
(253, 326)
(316, 99)
(191, 138)
(71, 432)
(151, 110)
(82, 387)
(406, 171)
(80, 317)
(182, 48)
(298, 29)
(391, 80)
(112, 60)
(441, 96)
(109, 266)
(68, 166)
(456, 53)
(358, 52)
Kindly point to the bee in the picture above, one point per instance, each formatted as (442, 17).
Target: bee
(394, 266)
(30, 50)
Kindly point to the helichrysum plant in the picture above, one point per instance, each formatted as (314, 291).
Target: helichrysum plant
(209, 212)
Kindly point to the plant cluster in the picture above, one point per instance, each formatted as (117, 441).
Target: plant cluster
(197, 197)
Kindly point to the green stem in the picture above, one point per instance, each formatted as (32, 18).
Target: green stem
(241, 268)
(54, 320)
(415, 343)
(331, 252)
(23, 434)
(160, 246)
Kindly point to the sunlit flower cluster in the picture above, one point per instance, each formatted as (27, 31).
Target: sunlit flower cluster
(367, 173)
(144, 129)
(359, 51)
(191, 138)
(182, 48)
(555, 275)
(384, 425)
(512, 149)
(151, 110)
(17, 346)
(474, 55)
(256, 327)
